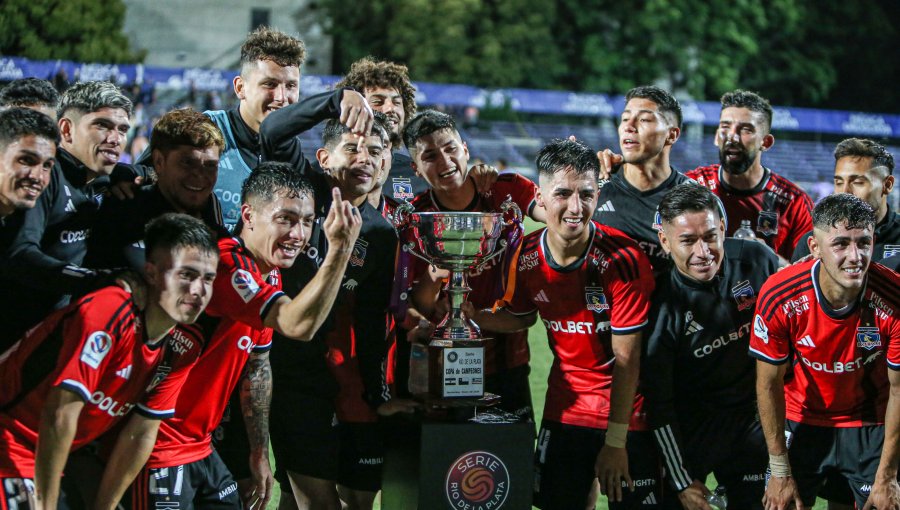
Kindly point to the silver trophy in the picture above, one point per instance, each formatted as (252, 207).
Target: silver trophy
(459, 242)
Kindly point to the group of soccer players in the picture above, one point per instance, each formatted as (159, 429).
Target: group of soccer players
(166, 321)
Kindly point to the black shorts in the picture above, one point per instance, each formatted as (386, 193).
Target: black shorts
(16, 493)
(202, 484)
(817, 453)
(733, 448)
(304, 434)
(361, 456)
(230, 439)
(514, 389)
(564, 468)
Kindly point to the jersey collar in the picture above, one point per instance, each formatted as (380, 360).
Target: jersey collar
(761, 185)
(842, 313)
(574, 265)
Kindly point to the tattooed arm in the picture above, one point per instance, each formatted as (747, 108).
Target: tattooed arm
(256, 395)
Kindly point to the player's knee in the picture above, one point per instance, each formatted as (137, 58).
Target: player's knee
(313, 493)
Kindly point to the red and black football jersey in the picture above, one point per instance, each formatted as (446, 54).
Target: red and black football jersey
(779, 211)
(839, 371)
(224, 337)
(582, 305)
(504, 351)
(96, 348)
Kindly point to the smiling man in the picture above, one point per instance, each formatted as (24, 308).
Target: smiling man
(778, 209)
(186, 148)
(27, 151)
(591, 285)
(649, 127)
(696, 376)
(49, 247)
(836, 321)
(84, 368)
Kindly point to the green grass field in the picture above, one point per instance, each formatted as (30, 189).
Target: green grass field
(541, 359)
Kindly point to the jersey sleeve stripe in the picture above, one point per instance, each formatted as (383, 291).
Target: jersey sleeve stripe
(629, 329)
(885, 290)
(773, 293)
(154, 413)
(263, 347)
(669, 447)
(118, 316)
(239, 261)
(626, 260)
(771, 306)
(763, 357)
(264, 310)
(77, 388)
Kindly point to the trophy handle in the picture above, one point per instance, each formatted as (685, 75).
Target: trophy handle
(401, 215)
(410, 248)
(507, 206)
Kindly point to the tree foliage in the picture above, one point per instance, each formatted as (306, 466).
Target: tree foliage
(79, 30)
(802, 52)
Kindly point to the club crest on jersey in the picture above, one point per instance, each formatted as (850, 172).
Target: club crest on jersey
(760, 329)
(402, 188)
(891, 250)
(868, 338)
(743, 295)
(244, 284)
(596, 300)
(767, 223)
(358, 256)
(96, 347)
(161, 372)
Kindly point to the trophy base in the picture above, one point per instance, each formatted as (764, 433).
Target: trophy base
(456, 368)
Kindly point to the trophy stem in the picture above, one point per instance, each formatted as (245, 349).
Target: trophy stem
(456, 325)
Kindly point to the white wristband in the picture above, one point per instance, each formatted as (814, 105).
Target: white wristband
(779, 465)
(616, 434)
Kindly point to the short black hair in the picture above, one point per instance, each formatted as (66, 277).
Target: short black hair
(334, 130)
(424, 123)
(688, 197)
(864, 148)
(29, 92)
(841, 208)
(563, 155)
(751, 101)
(91, 96)
(271, 178)
(172, 231)
(665, 101)
(17, 122)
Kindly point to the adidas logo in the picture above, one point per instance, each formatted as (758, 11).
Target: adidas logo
(607, 207)
(806, 342)
(649, 500)
(541, 297)
(70, 206)
(124, 373)
(693, 327)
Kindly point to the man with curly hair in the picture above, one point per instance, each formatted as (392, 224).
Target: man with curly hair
(387, 88)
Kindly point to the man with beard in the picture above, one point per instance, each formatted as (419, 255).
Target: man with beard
(33, 93)
(649, 127)
(776, 207)
(834, 321)
(591, 285)
(696, 376)
(865, 169)
(49, 247)
(387, 88)
(186, 148)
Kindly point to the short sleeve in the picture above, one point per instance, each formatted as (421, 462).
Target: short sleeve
(184, 347)
(769, 339)
(800, 217)
(521, 190)
(240, 292)
(630, 290)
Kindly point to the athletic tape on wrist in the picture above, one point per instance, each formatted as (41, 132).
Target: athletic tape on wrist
(779, 465)
(616, 434)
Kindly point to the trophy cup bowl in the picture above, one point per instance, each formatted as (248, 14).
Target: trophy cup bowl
(459, 242)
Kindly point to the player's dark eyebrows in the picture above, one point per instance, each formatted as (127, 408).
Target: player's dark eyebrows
(293, 211)
(687, 235)
(384, 95)
(33, 154)
(639, 111)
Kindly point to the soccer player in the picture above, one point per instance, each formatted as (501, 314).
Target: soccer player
(441, 158)
(235, 334)
(865, 169)
(835, 319)
(696, 376)
(49, 247)
(776, 207)
(186, 148)
(649, 127)
(387, 88)
(85, 367)
(27, 151)
(591, 285)
(33, 93)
